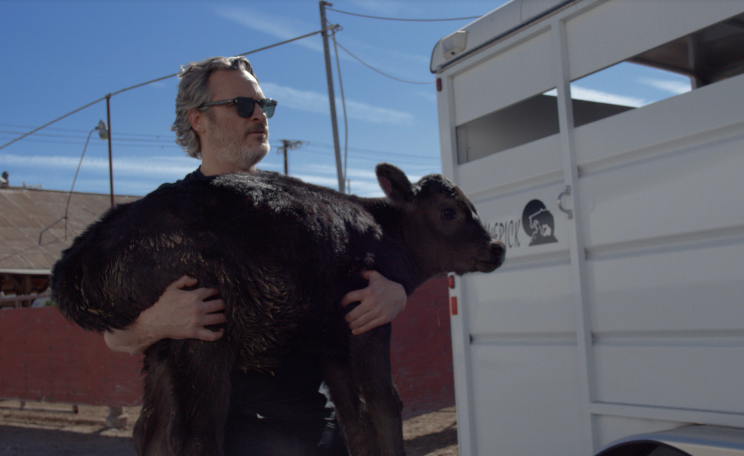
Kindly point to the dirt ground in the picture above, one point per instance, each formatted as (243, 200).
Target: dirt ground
(45, 429)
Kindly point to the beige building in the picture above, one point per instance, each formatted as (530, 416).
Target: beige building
(34, 231)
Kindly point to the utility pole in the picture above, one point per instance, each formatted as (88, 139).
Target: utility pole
(331, 97)
(284, 149)
(111, 166)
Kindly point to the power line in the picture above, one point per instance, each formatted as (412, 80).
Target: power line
(405, 20)
(284, 149)
(96, 145)
(325, 150)
(51, 128)
(74, 130)
(165, 143)
(49, 123)
(376, 153)
(375, 69)
(152, 81)
(49, 135)
(244, 53)
(373, 151)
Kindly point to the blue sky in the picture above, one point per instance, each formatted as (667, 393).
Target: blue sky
(61, 55)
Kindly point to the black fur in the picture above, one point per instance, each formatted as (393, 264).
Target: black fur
(282, 254)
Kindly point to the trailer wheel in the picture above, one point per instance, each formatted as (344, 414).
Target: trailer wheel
(642, 448)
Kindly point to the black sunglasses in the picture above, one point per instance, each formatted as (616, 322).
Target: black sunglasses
(245, 105)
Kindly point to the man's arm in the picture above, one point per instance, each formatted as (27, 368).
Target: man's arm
(380, 302)
(178, 314)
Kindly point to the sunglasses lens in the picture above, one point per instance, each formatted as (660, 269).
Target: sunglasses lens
(245, 107)
(268, 107)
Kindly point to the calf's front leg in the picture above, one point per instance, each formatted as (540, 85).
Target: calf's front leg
(370, 356)
(351, 413)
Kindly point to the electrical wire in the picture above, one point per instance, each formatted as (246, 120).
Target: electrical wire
(375, 69)
(360, 153)
(69, 195)
(150, 82)
(244, 53)
(116, 139)
(118, 145)
(56, 129)
(49, 123)
(406, 20)
(165, 143)
(74, 130)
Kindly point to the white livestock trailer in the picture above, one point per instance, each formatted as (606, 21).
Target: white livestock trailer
(616, 325)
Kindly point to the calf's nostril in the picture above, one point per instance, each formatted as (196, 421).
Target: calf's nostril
(498, 246)
(498, 250)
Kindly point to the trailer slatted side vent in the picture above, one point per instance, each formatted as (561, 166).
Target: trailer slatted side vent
(701, 58)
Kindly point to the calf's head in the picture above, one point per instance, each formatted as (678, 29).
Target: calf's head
(440, 224)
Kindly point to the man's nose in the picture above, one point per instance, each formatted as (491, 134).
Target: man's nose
(258, 114)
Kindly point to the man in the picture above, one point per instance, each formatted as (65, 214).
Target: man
(221, 117)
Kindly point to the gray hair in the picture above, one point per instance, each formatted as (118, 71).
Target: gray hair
(193, 91)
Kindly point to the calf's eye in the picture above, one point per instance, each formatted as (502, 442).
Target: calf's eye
(449, 214)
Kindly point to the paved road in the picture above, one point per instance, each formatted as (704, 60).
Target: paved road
(23, 441)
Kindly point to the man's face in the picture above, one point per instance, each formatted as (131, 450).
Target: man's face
(242, 142)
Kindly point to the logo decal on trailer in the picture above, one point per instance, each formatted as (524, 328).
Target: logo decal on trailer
(538, 223)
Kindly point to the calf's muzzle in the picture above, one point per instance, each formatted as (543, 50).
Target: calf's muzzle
(492, 257)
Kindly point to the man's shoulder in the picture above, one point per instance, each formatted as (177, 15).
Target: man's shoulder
(194, 176)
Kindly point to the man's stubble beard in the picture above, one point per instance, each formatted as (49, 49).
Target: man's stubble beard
(236, 153)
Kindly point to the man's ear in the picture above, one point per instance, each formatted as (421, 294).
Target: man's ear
(394, 183)
(197, 119)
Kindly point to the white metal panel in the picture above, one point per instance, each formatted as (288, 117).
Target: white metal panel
(673, 122)
(507, 216)
(649, 202)
(617, 30)
(500, 22)
(678, 373)
(676, 415)
(694, 291)
(447, 138)
(578, 251)
(462, 366)
(644, 174)
(479, 90)
(535, 279)
(534, 8)
(521, 411)
(649, 193)
(522, 303)
(522, 167)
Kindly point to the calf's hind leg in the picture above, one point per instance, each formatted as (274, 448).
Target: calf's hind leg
(150, 436)
(198, 395)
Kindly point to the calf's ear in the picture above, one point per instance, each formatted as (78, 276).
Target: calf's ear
(394, 182)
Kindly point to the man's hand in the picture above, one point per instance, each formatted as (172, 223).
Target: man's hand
(380, 303)
(178, 314)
